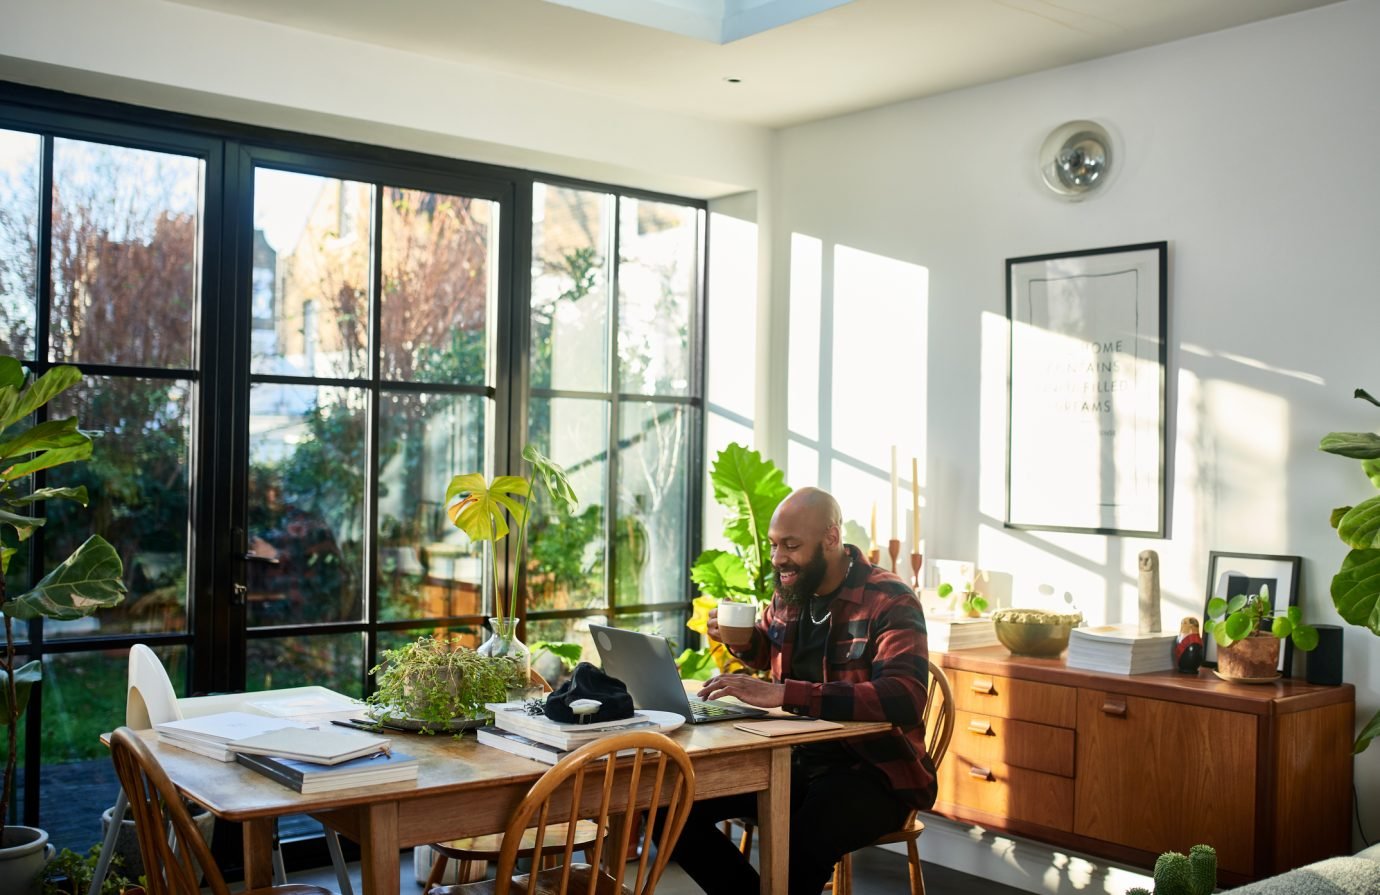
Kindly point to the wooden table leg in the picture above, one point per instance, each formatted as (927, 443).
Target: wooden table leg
(378, 844)
(774, 820)
(258, 853)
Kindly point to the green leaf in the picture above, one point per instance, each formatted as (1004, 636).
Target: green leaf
(721, 574)
(1220, 634)
(1239, 625)
(1357, 445)
(1356, 589)
(479, 509)
(945, 589)
(1337, 514)
(1360, 527)
(1281, 627)
(1216, 606)
(6, 553)
(696, 665)
(23, 525)
(568, 653)
(11, 373)
(78, 494)
(1236, 603)
(751, 488)
(25, 677)
(47, 460)
(46, 435)
(91, 578)
(553, 478)
(1295, 614)
(1372, 470)
(1305, 637)
(1368, 733)
(1365, 396)
(46, 388)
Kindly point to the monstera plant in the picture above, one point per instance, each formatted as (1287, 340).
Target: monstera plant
(1356, 586)
(92, 578)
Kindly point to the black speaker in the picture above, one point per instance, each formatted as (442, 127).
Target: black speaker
(1325, 662)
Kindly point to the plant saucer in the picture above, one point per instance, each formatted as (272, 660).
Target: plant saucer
(1267, 679)
(402, 722)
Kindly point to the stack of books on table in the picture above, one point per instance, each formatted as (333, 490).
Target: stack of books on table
(312, 761)
(1119, 649)
(948, 633)
(210, 735)
(540, 738)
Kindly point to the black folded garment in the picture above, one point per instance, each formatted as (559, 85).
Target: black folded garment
(589, 682)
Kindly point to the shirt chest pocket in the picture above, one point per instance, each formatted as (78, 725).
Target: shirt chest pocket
(776, 633)
(848, 653)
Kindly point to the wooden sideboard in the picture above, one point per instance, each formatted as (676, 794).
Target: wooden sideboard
(1126, 767)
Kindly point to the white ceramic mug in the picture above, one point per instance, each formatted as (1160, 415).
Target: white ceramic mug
(735, 623)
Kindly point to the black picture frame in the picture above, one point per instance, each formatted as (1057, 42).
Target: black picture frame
(1233, 573)
(1087, 437)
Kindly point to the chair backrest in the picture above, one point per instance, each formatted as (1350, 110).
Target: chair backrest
(155, 803)
(939, 715)
(151, 698)
(599, 785)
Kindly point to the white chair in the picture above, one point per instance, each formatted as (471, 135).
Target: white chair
(149, 700)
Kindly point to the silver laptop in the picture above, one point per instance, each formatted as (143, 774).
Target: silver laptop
(644, 663)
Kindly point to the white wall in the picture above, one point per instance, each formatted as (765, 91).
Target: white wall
(1254, 152)
(187, 59)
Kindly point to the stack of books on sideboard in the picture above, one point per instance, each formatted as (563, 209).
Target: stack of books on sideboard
(1120, 649)
(538, 737)
(949, 632)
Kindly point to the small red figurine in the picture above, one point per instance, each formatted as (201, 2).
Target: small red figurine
(1188, 647)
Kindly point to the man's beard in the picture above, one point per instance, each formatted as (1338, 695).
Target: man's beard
(807, 579)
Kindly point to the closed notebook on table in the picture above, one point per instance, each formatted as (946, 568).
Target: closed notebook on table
(787, 726)
(326, 747)
(306, 777)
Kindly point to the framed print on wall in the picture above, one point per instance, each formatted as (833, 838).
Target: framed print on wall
(1230, 574)
(1085, 446)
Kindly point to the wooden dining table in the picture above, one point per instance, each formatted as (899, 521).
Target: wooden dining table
(467, 789)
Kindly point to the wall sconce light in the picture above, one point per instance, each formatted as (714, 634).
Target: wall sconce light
(1076, 158)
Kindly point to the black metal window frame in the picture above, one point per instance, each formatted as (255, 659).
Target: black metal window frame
(216, 636)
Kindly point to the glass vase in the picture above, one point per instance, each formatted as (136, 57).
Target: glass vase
(503, 644)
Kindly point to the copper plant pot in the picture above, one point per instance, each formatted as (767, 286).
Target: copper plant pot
(1255, 657)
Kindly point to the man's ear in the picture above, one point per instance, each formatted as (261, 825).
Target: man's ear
(833, 537)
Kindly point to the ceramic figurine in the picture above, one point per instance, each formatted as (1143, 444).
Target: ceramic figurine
(1188, 647)
(1149, 592)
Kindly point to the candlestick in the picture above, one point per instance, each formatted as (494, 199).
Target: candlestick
(893, 547)
(895, 503)
(916, 561)
(873, 531)
(874, 555)
(915, 505)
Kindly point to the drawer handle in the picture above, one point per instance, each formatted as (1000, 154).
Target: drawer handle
(982, 728)
(1114, 706)
(982, 685)
(980, 773)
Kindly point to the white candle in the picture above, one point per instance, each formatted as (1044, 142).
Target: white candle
(895, 492)
(915, 504)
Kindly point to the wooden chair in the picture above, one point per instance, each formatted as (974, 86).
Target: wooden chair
(658, 773)
(939, 729)
(475, 850)
(156, 803)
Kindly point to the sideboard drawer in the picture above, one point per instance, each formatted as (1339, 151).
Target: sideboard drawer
(1004, 697)
(999, 789)
(987, 739)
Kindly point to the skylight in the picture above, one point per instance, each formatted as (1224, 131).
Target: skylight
(717, 21)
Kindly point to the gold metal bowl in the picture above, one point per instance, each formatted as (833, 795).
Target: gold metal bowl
(1028, 632)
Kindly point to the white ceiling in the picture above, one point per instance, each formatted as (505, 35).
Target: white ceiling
(855, 56)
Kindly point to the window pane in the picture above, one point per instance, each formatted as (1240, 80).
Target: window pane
(306, 504)
(657, 279)
(19, 153)
(561, 630)
(438, 280)
(311, 275)
(459, 635)
(651, 526)
(83, 697)
(565, 553)
(571, 234)
(325, 660)
(137, 482)
(668, 624)
(427, 567)
(126, 256)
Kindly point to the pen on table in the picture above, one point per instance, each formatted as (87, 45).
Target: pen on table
(356, 723)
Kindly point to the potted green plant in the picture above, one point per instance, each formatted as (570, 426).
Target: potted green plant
(487, 511)
(1356, 586)
(92, 578)
(973, 603)
(1248, 634)
(433, 685)
(751, 489)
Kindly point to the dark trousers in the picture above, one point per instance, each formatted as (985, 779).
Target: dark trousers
(833, 811)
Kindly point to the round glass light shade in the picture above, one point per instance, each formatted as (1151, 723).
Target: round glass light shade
(1076, 158)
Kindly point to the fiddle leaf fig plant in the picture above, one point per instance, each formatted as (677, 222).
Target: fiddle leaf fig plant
(1356, 586)
(92, 578)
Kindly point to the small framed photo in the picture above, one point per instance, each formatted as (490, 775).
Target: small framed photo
(1232, 574)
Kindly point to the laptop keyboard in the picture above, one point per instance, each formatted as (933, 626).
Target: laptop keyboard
(705, 710)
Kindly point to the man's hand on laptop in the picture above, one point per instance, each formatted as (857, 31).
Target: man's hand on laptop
(744, 688)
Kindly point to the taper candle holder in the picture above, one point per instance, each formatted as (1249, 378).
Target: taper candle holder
(874, 556)
(893, 547)
(916, 561)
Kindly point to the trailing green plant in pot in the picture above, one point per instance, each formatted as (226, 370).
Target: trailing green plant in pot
(1249, 633)
(435, 686)
(92, 578)
(487, 511)
(1356, 586)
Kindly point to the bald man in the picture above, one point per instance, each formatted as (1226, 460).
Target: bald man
(845, 641)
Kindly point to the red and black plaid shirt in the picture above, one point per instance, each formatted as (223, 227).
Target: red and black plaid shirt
(875, 669)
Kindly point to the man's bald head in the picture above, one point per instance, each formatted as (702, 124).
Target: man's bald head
(811, 508)
(807, 544)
